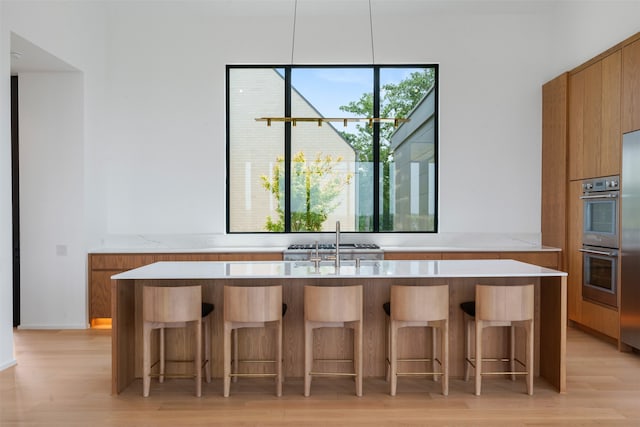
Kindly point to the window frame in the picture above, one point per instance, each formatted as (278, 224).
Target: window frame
(375, 143)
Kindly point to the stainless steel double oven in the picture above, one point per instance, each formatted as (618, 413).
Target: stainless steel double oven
(601, 239)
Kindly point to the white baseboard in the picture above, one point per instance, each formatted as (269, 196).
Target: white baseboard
(54, 326)
(8, 364)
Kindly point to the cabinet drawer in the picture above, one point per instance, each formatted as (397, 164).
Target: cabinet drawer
(119, 261)
(471, 255)
(100, 293)
(412, 255)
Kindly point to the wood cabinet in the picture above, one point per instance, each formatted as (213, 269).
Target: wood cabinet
(550, 259)
(595, 317)
(631, 87)
(554, 162)
(594, 118)
(574, 256)
(599, 318)
(103, 266)
(587, 116)
(412, 255)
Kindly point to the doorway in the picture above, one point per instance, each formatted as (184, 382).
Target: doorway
(15, 200)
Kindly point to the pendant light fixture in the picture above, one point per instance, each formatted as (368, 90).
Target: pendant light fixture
(345, 120)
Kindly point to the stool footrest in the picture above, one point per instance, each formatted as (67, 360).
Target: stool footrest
(419, 360)
(505, 373)
(165, 375)
(253, 375)
(472, 361)
(333, 374)
(334, 360)
(408, 374)
(204, 362)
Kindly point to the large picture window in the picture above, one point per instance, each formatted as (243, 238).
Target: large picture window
(302, 176)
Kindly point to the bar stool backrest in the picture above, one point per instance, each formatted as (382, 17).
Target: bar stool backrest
(333, 303)
(419, 303)
(252, 303)
(171, 304)
(504, 303)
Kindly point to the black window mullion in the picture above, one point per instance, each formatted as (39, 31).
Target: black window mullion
(287, 150)
(376, 150)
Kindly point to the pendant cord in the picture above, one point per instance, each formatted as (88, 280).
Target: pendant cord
(293, 36)
(373, 58)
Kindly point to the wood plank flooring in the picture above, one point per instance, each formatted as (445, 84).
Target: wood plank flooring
(63, 379)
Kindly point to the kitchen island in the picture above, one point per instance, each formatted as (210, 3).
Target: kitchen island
(376, 277)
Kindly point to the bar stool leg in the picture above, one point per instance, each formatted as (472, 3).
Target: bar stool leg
(478, 357)
(387, 362)
(308, 357)
(279, 378)
(467, 347)
(207, 348)
(235, 367)
(146, 360)
(529, 361)
(434, 352)
(162, 356)
(394, 358)
(512, 351)
(444, 337)
(227, 360)
(197, 360)
(358, 357)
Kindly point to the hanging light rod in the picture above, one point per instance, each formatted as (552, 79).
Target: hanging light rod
(345, 120)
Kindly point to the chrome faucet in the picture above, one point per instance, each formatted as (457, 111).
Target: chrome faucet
(317, 258)
(337, 244)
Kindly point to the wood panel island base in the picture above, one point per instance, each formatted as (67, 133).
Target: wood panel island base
(376, 277)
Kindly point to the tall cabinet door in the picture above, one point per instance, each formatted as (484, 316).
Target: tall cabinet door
(554, 161)
(585, 121)
(574, 256)
(631, 87)
(576, 120)
(594, 119)
(611, 140)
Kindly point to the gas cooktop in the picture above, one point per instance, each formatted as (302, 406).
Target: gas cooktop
(332, 246)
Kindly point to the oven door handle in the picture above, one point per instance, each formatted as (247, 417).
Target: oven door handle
(591, 251)
(600, 196)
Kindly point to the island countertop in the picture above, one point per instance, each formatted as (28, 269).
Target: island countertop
(368, 269)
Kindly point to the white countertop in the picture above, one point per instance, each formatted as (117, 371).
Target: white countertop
(367, 269)
(278, 242)
(280, 249)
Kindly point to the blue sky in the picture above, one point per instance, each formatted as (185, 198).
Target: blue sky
(328, 88)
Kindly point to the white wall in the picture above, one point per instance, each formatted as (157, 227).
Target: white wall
(6, 247)
(588, 28)
(52, 251)
(154, 98)
(167, 88)
(73, 31)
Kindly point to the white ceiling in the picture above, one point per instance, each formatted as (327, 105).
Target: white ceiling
(27, 57)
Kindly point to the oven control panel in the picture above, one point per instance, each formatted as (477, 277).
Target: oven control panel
(607, 183)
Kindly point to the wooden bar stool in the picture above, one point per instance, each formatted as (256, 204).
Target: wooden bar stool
(252, 307)
(419, 306)
(332, 307)
(508, 305)
(175, 307)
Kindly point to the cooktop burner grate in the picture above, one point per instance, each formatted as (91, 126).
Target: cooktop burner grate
(332, 246)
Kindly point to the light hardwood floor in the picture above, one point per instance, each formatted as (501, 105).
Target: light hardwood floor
(63, 378)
